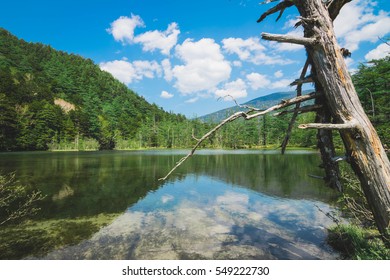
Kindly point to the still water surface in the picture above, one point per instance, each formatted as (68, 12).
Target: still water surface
(218, 205)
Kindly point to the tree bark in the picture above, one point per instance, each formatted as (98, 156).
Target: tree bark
(325, 144)
(363, 146)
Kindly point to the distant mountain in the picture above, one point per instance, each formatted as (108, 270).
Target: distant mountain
(262, 102)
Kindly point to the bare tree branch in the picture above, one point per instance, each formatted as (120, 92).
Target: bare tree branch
(301, 81)
(335, 6)
(285, 103)
(337, 126)
(193, 135)
(200, 141)
(304, 109)
(295, 114)
(278, 8)
(238, 115)
(288, 39)
(267, 2)
(252, 109)
(384, 41)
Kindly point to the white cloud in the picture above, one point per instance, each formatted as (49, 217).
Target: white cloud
(352, 17)
(278, 74)
(166, 65)
(123, 28)
(257, 81)
(235, 89)
(128, 72)
(166, 95)
(243, 48)
(120, 69)
(379, 52)
(281, 84)
(204, 66)
(192, 100)
(349, 62)
(357, 23)
(287, 47)
(252, 50)
(237, 63)
(147, 69)
(162, 40)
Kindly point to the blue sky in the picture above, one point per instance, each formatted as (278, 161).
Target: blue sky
(185, 56)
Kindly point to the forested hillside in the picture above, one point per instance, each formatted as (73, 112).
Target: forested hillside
(49, 98)
(53, 100)
(372, 83)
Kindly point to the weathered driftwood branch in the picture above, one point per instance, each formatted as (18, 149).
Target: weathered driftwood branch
(267, 2)
(244, 115)
(204, 137)
(364, 149)
(278, 8)
(304, 80)
(288, 39)
(334, 7)
(295, 114)
(337, 126)
(193, 135)
(250, 108)
(368, 157)
(304, 109)
(284, 104)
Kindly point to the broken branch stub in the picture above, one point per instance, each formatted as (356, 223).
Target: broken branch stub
(341, 126)
(289, 39)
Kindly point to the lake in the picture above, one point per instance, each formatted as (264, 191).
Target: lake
(242, 204)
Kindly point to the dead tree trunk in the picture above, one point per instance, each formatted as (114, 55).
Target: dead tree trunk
(326, 147)
(362, 144)
(338, 107)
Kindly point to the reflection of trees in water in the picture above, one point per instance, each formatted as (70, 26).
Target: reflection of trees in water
(87, 184)
(95, 182)
(226, 224)
(284, 176)
(110, 182)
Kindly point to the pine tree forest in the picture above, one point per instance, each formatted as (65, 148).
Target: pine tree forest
(52, 100)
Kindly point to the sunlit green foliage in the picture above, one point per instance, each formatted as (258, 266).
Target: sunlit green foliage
(358, 243)
(108, 115)
(359, 239)
(16, 201)
(32, 76)
(106, 112)
(372, 82)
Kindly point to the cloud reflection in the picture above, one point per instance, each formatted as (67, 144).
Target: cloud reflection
(201, 218)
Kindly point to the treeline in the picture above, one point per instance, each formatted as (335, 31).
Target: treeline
(33, 76)
(53, 100)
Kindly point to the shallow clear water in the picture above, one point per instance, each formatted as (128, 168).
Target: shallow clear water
(218, 205)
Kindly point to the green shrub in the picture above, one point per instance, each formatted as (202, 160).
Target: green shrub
(16, 201)
(358, 243)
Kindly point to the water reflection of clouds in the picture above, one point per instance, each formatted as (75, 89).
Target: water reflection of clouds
(217, 223)
(167, 198)
(233, 201)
